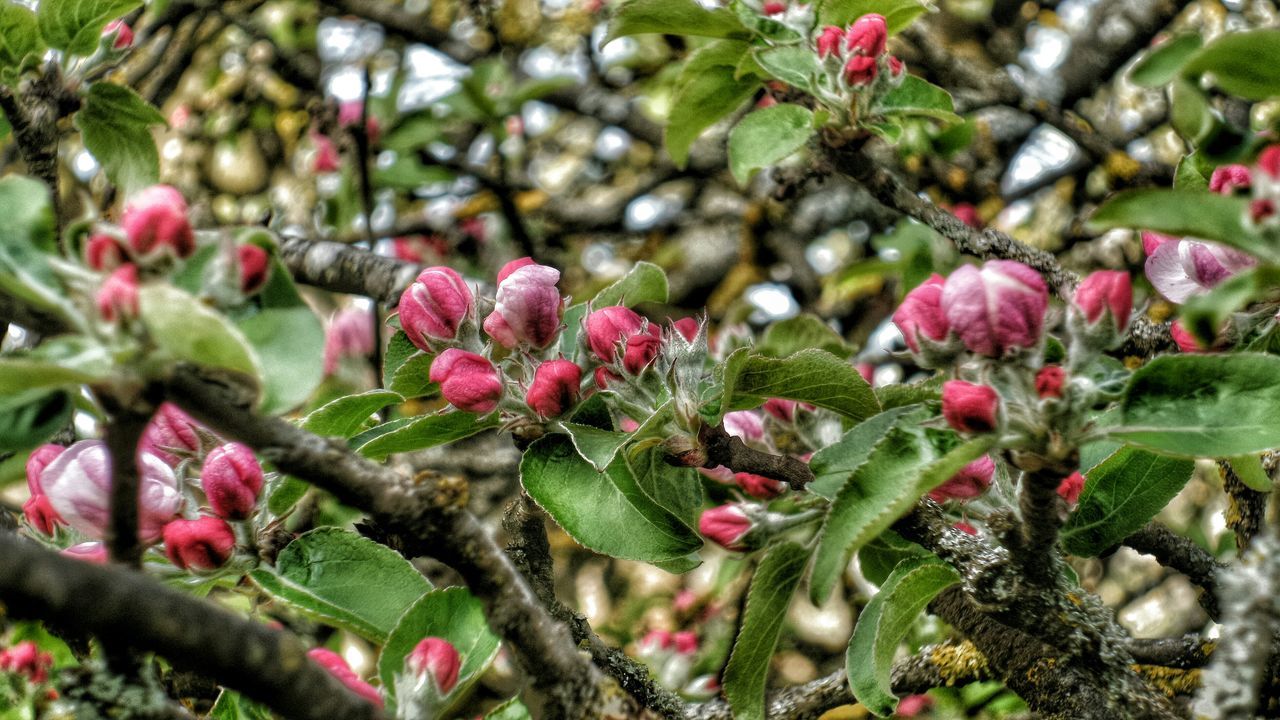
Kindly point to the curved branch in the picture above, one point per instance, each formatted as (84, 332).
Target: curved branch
(343, 268)
(1181, 554)
(729, 451)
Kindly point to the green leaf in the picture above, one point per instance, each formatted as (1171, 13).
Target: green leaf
(596, 446)
(1160, 65)
(1204, 315)
(190, 331)
(428, 431)
(512, 709)
(902, 394)
(772, 586)
(678, 490)
(346, 416)
(1190, 113)
(453, 614)
(812, 376)
(1251, 472)
(1120, 495)
(885, 622)
(1241, 63)
(1211, 406)
(76, 25)
(788, 337)
(230, 706)
(284, 493)
(407, 172)
(573, 316)
(57, 362)
(1181, 212)
(900, 469)
(644, 282)
(115, 124)
(378, 431)
(342, 579)
(20, 44)
(26, 240)
(792, 64)
(29, 418)
(916, 96)
(878, 558)
(834, 464)
(1191, 173)
(288, 340)
(707, 90)
(605, 512)
(766, 137)
(897, 13)
(672, 17)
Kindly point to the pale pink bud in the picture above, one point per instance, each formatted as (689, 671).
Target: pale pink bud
(745, 425)
(641, 349)
(971, 481)
(860, 70)
(607, 326)
(1106, 293)
(759, 486)
(685, 641)
(1152, 240)
(1071, 487)
(255, 268)
(437, 658)
(867, 36)
(118, 295)
(36, 463)
(920, 316)
(554, 389)
(970, 408)
(628, 425)
(155, 221)
(90, 552)
(78, 484)
(231, 478)
(997, 308)
(687, 327)
(326, 159)
(912, 705)
(333, 663)
(1050, 380)
(726, 525)
(26, 659)
(40, 514)
(1229, 178)
(1182, 269)
(467, 380)
(122, 32)
(528, 306)
(104, 252)
(205, 543)
(350, 334)
(172, 435)
(684, 601)
(828, 42)
(434, 306)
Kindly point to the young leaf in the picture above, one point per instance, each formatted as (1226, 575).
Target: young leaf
(788, 337)
(672, 17)
(916, 96)
(188, 330)
(76, 25)
(765, 137)
(115, 124)
(450, 613)
(1241, 63)
(1203, 405)
(57, 362)
(897, 13)
(644, 282)
(707, 90)
(1161, 64)
(288, 340)
(792, 64)
(1190, 113)
(605, 512)
(30, 417)
(596, 446)
(428, 431)
(346, 416)
(26, 240)
(812, 376)
(884, 622)
(878, 558)
(771, 589)
(901, 468)
(833, 464)
(1181, 212)
(1120, 495)
(20, 42)
(327, 574)
(678, 490)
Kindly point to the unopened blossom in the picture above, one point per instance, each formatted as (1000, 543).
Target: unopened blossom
(326, 158)
(78, 484)
(687, 327)
(1229, 178)
(104, 253)
(860, 70)
(1050, 381)
(971, 481)
(232, 479)
(27, 659)
(555, 388)
(528, 305)
(349, 335)
(36, 463)
(726, 525)
(117, 297)
(970, 408)
(867, 36)
(1105, 294)
(609, 326)
(997, 308)
(119, 34)
(920, 318)
(467, 380)
(172, 435)
(759, 486)
(40, 514)
(640, 350)
(745, 425)
(829, 41)
(205, 543)
(333, 663)
(434, 306)
(1071, 487)
(255, 268)
(437, 659)
(156, 224)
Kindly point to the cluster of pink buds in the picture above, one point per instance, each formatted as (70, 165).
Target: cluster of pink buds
(333, 663)
(27, 660)
(858, 50)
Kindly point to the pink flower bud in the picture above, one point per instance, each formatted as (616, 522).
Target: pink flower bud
(829, 40)
(1183, 338)
(349, 114)
(326, 159)
(1050, 381)
(653, 642)
(1182, 269)
(36, 463)
(997, 308)
(155, 221)
(172, 435)
(866, 370)
(971, 481)
(967, 214)
(1269, 161)
(687, 327)
(437, 658)
(759, 486)
(726, 525)
(467, 380)
(104, 252)
(26, 659)
(641, 349)
(78, 485)
(255, 268)
(1261, 209)
(745, 425)
(333, 663)
(1071, 487)
(920, 316)
(123, 34)
(607, 326)
(1106, 292)
(860, 70)
(90, 552)
(1152, 240)
(781, 409)
(554, 389)
(118, 295)
(896, 70)
(350, 334)
(685, 641)
(965, 528)
(1229, 178)
(231, 478)
(40, 514)
(528, 306)
(867, 36)
(205, 543)
(970, 408)
(604, 376)
(434, 306)
(912, 705)
(774, 8)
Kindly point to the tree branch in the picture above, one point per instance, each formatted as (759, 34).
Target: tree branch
(729, 451)
(124, 430)
(1181, 554)
(345, 269)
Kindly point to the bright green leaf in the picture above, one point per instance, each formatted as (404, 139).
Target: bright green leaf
(673, 17)
(878, 558)
(812, 376)
(1160, 64)
(792, 64)
(706, 91)
(916, 96)
(288, 340)
(346, 416)
(1120, 496)
(644, 282)
(190, 331)
(30, 417)
(1189, 112)
(115, 124)
(788, 337)
(596, 446)
(678, 490)
(834, 464)
(428, 431)
(1241, 63)
(1180, 212)
(57, 362)
(76, 25)
(20, 43)
(765, 137)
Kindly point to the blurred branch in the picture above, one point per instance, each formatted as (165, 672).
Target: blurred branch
(343, 268)
(1184, 555)
(124, 429)
(33, 115)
